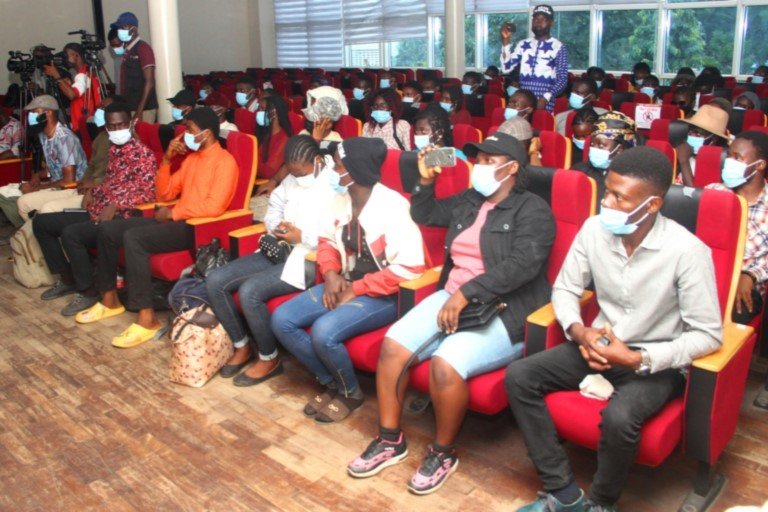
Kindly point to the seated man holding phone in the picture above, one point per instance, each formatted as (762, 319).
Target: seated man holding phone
(655, 286)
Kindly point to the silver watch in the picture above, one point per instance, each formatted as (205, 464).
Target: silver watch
(645, 364)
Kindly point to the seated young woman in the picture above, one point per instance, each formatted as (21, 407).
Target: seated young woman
(273, 128)
(372, 247)
(499, 238)
(385, 109)
(297, 211)
(452, 101)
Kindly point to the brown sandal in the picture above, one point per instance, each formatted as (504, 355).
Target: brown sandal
(338, 409)
(319, 401)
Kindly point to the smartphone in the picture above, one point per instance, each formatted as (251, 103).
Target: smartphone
(441, 157)
(603, 341)
(281, 231)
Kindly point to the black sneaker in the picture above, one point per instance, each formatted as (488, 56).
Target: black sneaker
(59, 289)
(433, 472)
(380, 454)
(78, 304)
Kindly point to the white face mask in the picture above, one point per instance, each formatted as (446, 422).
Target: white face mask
(119, 137)
(484, 178)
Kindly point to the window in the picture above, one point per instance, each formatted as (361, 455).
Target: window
(438, 41)
(754, 52)
(701, 37)
(408, 53)
(572, 28)
(366, 55)
(470, 40)
(626, 37)
(492, 39)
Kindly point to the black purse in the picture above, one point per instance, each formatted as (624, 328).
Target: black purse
(276, 251)
(209, 257)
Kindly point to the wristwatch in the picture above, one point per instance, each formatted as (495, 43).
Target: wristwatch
(645, 364)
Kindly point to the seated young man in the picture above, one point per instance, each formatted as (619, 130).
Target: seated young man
(583, 95)
(655, 286)
(129, 181)
(204, 185)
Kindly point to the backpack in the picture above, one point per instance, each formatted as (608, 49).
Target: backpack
(188, 292)
(29, 267)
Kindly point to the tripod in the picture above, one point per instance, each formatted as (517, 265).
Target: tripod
(54, 91)
(95, 70)
(25, 96)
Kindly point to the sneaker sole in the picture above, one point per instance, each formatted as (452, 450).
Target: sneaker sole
(424, 492)
(58, 296)
(378, 469)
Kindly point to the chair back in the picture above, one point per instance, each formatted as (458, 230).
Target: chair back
(245, 149)
(555, 150)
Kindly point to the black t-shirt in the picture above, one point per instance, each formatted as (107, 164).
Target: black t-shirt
(353, 235)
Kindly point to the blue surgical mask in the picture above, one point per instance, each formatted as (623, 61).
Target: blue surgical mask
(599, 83)
(757, 79)
(98, 118)
(639, 81)
(334, 180)
(421, 141)
(466, 88)
(649, 91)
(32, 118)
(617, 221)
(261, 118)
(358, 93)
(511, 89)
(384, 83)
(733, 172)
(484, 178)
(381, 116)
(408, 99)
(579, 143)
(119, 50)
(124, 35)
(241, 98)
(177, 114)
(447, 106)
(696, 142)
(510, 112)
(600, 158)
(575, 101)
(736, 107)
(189, 140)
(203, 94)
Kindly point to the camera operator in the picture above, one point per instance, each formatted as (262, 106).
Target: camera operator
(137, 71)
(43, 56)
(82, 92)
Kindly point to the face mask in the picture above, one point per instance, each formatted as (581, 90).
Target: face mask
(579, 143)
(650, 91)
(381, 116)
(696, 142)
(32, 118)
(733, 172)
(384, 83)
(466, 88)
(484, 178)
(446, 106)
(408, 99)
(421, 141)
(203, 94)
(511, 89)
(600, 158)
(615, 221)
(757, 79)
(575, 101)
(509, 113)
(119, 137)
(99, 118)
(736, 107)
(639, 81)
(177, 114)
(119, 50)
(189, 140)
(599, 83)
(261, 118)
(124, 35)
(334, 180)
(241, 98)
(358, 93)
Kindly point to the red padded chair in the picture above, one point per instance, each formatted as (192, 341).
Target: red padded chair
(709, 163)
(464, 133)
(168, 266)
(561, 105)
(349, 127)
(660, 129)
(245, 120)
(297, 121)
(555, 150)
(542, 120)
(670, 152)
(149, 134)
(10, 170)
(704, 419)
(756, 128)
(754, 117)
(572, 196)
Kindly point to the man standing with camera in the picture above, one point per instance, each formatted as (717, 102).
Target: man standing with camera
(83, 92)
(137, 70)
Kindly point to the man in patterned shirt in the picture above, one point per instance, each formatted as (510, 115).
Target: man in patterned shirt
(543, 60)
(129, 180)
(10, 136)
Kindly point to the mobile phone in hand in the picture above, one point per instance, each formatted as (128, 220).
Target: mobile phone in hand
(603, 341)
(281, 231)
(441, 157)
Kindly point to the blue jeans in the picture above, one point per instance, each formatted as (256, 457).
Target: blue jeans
(256, 279)
(323, 351)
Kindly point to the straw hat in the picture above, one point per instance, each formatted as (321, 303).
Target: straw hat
(711, 119)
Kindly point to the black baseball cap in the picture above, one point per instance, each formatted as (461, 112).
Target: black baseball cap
(498, 144)
(544, 9)
(183, 97)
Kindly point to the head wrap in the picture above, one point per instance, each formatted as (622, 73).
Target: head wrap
(615, 126)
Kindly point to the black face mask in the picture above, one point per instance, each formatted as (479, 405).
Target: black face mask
(427, 97)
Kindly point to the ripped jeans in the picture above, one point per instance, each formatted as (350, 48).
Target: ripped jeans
(322, 350)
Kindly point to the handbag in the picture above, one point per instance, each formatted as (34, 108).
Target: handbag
(210, 257)
(276, 251)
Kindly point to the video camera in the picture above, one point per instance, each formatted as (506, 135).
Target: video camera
(43, 56)
(21, 63)
(91, 44)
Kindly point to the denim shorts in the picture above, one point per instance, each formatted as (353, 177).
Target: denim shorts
(472, 352)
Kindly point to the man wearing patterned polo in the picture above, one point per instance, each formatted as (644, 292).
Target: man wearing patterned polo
(543, 60)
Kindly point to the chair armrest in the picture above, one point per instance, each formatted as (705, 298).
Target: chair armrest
(542, 331)
(206, 228)
(260, 181)
(245, 240)
(414, 291)
(70, 185)
(716, 385)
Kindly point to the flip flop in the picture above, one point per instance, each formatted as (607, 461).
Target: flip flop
(97, 312)
(135, 335)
